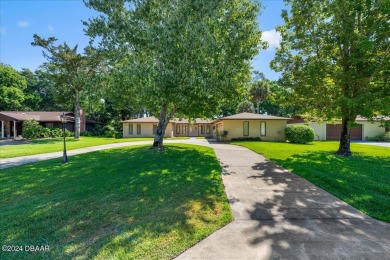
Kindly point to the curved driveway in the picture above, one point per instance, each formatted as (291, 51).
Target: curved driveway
(277, 214)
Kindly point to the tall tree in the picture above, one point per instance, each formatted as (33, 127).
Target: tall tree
(71, 70)
(334, 57)
(259, 91)
(12, 85)
(184, 57)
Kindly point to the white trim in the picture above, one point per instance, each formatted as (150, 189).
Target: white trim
(2, 129)
(15, 134)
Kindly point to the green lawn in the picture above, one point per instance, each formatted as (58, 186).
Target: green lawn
(126, 203)
(56, 144)
(362, 180)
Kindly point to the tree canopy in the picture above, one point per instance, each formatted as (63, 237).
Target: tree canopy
(334, 58)
(70, 70)
(181, 58)
(12, 85)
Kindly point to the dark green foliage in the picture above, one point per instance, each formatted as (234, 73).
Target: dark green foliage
(246, 139)
(299, 134)
(245, 106)
(32, 130)
(385, 137)
(12, 85)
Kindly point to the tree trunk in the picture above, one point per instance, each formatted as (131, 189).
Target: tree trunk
(345, 141)
(77, 117)
(162, 125)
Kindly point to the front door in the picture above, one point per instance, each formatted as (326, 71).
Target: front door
(193, 130)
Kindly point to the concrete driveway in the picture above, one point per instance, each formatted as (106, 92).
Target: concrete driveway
(382, 144)
(279, 215)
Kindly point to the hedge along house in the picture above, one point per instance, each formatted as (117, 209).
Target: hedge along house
(12, 121)
(146, 127)
(250, 125)
(332, 130)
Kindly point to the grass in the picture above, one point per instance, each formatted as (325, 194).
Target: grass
(362, 180)
(49, 145)
(125, 203)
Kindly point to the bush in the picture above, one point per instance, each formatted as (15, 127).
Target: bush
(246, 139)
(385, 137)
(221, 136)
(32, 129)
(299, 134)
(55, 132)
(118, 135)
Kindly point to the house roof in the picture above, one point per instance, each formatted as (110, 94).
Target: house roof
(252, 116)
(153, 119)
(40, 116)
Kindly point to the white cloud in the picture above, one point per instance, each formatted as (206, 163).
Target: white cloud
(50, 27)
(23, 24)
(272, 37)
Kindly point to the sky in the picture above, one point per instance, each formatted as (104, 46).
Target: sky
(20, 19)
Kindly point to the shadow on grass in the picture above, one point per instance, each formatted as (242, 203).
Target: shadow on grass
(129, 202)
(361, 181)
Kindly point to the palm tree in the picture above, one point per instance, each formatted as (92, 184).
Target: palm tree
(259, 92)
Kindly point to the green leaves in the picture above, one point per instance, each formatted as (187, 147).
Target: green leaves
(12, 85)
(335, 56)
(191, 55)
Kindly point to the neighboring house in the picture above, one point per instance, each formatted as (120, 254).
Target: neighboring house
(270, 128)
(146, 127)
(332, 131)
(12, 121)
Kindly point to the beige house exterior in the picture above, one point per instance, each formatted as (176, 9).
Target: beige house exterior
(269, 128)
(146, 127)
(332, 130)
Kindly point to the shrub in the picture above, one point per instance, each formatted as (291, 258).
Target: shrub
(118, 135)
(55, 132)
(221, 135)
(32, 129)
(299, 134)
(68, 133)
(385, 137)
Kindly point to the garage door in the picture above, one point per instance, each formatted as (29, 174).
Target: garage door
(333, 132)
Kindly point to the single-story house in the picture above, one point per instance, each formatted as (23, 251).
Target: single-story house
(12, 121)
(332, 130)
(146, 127)
(267, 127)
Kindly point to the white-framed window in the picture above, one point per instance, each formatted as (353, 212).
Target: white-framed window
(138, 129)
(131, 129)
(245, 128)
(263, 130)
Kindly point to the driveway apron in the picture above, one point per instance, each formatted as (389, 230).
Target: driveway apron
(279, 215)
